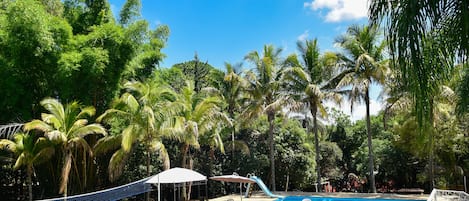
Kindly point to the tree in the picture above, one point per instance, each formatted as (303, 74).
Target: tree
(84, 14)
(309, 83)
(197, 71)
(200, 114)
(130, 11)
(201, 117)
(265, 94)
(30, 44)
(232, 92)
(30, 151)
(364, 52)
(412, 27)
(146, 121)
(66, 127)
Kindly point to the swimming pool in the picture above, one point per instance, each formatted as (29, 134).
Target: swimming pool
(310, 198)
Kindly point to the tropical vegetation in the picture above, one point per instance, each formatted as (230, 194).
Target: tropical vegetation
(99, 110)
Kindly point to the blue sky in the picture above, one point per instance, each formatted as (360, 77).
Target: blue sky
(226, 30)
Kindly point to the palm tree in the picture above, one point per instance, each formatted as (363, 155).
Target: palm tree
(264, 91)
(309, 83)
(146, 120)
(30, 151)
(412, 27)
(201, 116)
(66, 127)
(232, 92)
(364, 52)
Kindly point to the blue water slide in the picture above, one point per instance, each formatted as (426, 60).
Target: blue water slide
(263, 187)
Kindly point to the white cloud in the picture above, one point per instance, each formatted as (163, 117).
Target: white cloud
(303, 36)
(359, 110)
(340, 10)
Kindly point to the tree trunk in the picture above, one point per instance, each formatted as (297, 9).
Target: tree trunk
(314, 110)
(184, 150)
(30, 183)
(147, 194)
(66, 172)
(232, 142)
(370, 145)
(271, 118)
(288, 180)
(189, 191)
(432, 153)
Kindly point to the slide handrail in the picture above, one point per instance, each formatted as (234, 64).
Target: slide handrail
(263, 187)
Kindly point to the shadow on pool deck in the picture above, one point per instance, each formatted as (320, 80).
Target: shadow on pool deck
(259, 196)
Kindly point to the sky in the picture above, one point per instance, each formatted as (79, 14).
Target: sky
(222, 31)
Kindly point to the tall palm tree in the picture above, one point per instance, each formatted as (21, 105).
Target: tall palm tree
(363, 52)
(146, 117)
(199, 114)
(232, 92)
(310, 82)
(201, 117)
(30, 151)
(264, 91)
(67, 127)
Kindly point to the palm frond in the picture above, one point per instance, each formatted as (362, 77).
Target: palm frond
(107, 144)
(7, 145)
(117, 164)
(89, 129)
(38, 125)
(55, 107)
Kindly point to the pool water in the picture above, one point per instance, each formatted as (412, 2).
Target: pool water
(310, 198)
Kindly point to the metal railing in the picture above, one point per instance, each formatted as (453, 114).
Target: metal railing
(448, 195)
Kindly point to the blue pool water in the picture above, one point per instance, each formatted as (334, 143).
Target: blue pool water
(309, 198)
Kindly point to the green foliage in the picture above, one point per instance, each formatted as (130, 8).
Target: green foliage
(130, 11)
(463, 90)
(202, 74)
(74, 50)
(426, 39)
(84, 14)
(294, 156)
(331, 157)
(30, 43)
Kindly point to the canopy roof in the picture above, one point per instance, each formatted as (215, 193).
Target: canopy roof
(176, 175)
(232, 178)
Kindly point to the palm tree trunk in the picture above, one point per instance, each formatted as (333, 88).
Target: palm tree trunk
(184, 150)
(147, 194)
(271, 118)
(29, 172)
(66, 172)
(432, 152)
(232, 142)
(370, 145)
(316, 143)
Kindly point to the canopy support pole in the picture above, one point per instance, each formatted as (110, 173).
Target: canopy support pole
(241, 190)
(206, 190)
(159, 199)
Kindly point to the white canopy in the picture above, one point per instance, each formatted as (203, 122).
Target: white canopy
(176, 175)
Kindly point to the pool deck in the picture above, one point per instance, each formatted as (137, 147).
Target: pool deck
(259, 196)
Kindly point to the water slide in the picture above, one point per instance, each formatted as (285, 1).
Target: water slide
(263, 187)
